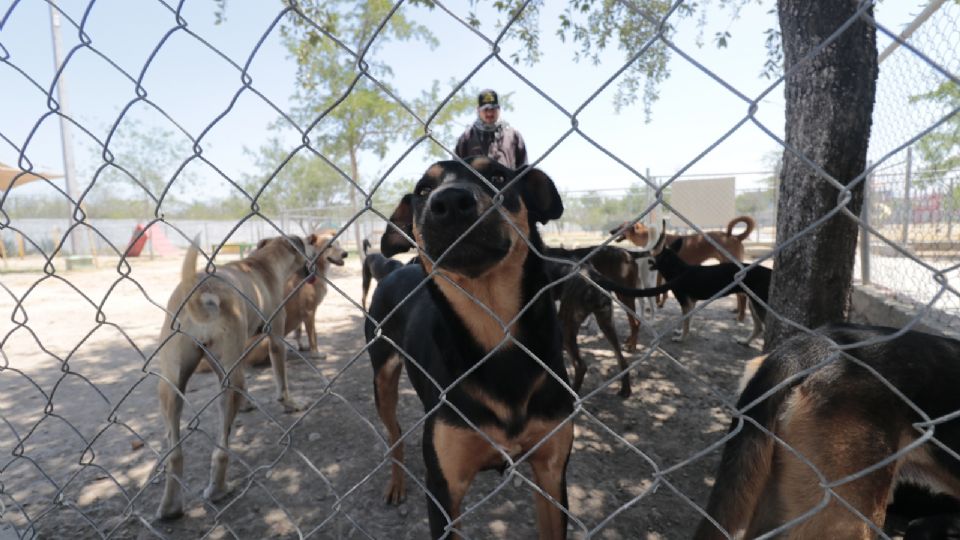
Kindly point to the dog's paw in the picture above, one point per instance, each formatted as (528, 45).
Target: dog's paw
(291, 405)
(744, 342)
(317, 355)
(170, 511)
(624, 391)
(677, 338)
(214, 493)
(245, 405)
(395, 493)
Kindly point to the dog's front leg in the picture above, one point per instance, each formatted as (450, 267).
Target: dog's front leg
(549, 463)
(757, 325)
(386, 383)
(278, 361)
(452, 456)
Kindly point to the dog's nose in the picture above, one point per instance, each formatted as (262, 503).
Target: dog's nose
(453, 204)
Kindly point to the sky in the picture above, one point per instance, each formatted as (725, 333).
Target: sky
(195, 86)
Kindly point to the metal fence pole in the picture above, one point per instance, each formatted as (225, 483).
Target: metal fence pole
(907, 213)
(66, 137)
(864, 234)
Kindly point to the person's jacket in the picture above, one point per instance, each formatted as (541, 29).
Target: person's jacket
(504, 144)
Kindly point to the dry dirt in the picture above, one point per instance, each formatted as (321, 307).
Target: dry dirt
(81, 433)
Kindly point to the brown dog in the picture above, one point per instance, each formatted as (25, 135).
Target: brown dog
(696, 249)
(302, 307)
(216, 314)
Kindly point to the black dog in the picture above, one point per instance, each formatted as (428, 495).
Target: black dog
(375, 266)
(439, 333)
(690, 283)
(838, 411)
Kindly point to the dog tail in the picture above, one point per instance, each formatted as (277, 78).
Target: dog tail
(746, 220)
(630, 291)
(366, 246)
(202, 303)
(748, 457)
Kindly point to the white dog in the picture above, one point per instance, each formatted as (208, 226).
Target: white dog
(647, 276)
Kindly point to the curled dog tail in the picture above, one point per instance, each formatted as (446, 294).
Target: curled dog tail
(746, 220)
(202, 303)
(366, 246)
(748, 457)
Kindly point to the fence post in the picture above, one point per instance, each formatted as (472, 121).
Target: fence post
(907, 213)
(66, 137)
(864, 233)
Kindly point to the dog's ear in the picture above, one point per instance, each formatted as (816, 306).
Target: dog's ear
(661, 240)
(263, 242)
(392, 241)
(676, 245)
(312, 239)
(541, 196)
(620, 232)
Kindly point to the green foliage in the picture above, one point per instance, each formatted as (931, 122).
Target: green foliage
(146, 160)
(35, 207)
(109, 205)
(349, 110)
(597, 212)
(303, 180)
(635, 27)
(940, 149)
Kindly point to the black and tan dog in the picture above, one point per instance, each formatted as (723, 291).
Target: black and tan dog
(375, 267)
(457, 335)
(690, 283)
(838, 411)
(217, 315)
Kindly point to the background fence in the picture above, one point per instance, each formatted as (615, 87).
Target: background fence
(81, 439)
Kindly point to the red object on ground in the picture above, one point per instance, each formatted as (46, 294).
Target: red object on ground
(161, 244)
(137, 241)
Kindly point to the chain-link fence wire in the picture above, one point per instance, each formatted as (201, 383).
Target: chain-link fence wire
(63, 416)
(913, 196)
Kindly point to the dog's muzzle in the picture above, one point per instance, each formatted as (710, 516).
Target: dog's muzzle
(452, 206)
(448, 214)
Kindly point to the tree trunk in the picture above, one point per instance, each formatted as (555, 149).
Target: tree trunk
(829, 106)
(355, 174)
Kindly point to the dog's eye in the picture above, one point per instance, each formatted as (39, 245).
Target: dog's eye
(497, 180)
(424, 191)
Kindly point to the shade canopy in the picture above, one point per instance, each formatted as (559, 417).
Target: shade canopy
(9, 174)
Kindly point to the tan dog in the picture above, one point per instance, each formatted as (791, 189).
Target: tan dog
(696, 248)
(302, 306)
(216, 315)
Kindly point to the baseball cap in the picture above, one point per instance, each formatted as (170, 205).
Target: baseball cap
(488, 100)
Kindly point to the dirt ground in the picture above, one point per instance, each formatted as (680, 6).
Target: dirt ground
(81, 433)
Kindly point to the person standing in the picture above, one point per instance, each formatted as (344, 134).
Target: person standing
(492, 137)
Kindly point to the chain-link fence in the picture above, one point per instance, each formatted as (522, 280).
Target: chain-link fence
(913, 196)
(85, 448)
